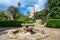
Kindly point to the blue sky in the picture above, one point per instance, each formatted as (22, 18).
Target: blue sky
(25, 4)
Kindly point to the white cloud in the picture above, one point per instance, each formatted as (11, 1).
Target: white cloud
(39, 4)
(11, 2)
(14, 2)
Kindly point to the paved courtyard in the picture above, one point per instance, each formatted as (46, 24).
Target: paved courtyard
(55, 33)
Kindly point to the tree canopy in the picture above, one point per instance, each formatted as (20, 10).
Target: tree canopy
(40, 14)
(3, 16)
(54, 8)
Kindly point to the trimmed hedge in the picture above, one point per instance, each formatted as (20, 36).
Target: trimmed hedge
(11, 23)
(54, 23)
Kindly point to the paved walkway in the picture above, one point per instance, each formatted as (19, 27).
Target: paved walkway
(55, 33)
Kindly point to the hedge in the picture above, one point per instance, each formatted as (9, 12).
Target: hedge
(11, 23)
(54, 23)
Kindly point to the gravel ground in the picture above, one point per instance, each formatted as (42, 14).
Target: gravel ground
(54, 32)
(3, 36)
(3, 32)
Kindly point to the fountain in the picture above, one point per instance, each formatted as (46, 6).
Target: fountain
(26, 32)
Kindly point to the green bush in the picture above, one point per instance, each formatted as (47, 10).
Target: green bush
(26, 20)
(23, 19)
(44, 21)
(31, 21)
(54, 23)
(11, 23)
(54, 8)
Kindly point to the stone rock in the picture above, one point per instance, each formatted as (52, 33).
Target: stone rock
(40, 31)
(11, 33)
(36, 30)
(28, 33)
(24, 36)
(20, 36)
(21, 29)
(43, 32)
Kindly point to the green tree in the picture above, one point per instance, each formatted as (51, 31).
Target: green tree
(54, 9)
(19, 15)
(41, 14)
(37, 15)
(13, 10)
(19, 5)
(3, 16)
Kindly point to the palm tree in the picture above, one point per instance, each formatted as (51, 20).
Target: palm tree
(19, 5)
(28, 13)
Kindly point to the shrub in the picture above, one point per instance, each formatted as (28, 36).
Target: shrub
(54, 23)
(31, 21)
(26, 20)
(44, 21)
(6, 23)
(23, 19)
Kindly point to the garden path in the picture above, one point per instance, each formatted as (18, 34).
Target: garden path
(55, 32)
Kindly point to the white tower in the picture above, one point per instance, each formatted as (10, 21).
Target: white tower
(32, 11)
